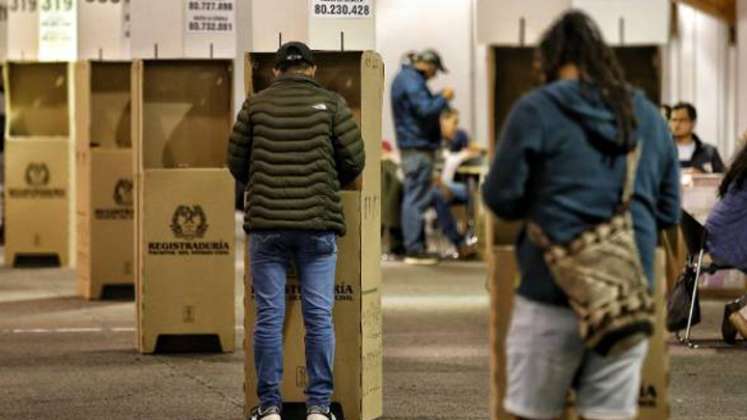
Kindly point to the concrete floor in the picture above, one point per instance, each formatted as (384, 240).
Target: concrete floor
(63, 358)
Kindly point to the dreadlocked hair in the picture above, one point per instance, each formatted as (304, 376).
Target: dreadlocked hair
(575, 39)
(736, 174)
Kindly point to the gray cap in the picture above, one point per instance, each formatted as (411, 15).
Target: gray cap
(432, 56)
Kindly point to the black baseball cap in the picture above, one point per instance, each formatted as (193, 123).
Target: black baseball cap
(292, 53)
(432, 56)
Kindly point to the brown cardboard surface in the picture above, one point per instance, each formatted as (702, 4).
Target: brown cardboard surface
(104, 177)
(186, 113)
(37, 198)
(110, 105)
(359, 78)
(185, 280)
(105, 236)
(37, 98)
(357, 318)
(654, 395)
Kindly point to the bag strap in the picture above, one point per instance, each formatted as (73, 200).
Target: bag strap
(634, 157)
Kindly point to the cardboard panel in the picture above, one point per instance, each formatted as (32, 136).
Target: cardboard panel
(186, 113)
(105, 247)
(186, 276)
(23, 30)
(110, 105)
(37, 195)
(654, 394)
(357, 319)
(38, 99)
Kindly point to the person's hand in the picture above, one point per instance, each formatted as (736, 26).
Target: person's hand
(448, 93)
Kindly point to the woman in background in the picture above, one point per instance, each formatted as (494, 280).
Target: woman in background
(727, 237)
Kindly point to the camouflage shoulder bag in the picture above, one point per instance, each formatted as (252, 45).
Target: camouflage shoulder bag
(601, 273)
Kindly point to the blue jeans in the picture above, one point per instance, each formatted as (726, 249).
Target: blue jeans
(315, 255)
(417, 196)
(459, 194)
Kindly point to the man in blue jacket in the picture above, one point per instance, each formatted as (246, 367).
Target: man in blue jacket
(416, 112)
(561, 163)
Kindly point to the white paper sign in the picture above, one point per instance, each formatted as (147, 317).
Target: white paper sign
(216, 16)
(58, 30)
(342, 9)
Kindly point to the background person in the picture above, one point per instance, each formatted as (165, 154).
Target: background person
(727, 238)
(294, 214)
(416, 112)
(561, 164)
(694, 154)
(447, 191)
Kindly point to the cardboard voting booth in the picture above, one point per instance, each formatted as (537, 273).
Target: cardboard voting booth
(184, 214)
(39, 171)
(104, 171)
(339, 25)
(167, 29)
(359, 78)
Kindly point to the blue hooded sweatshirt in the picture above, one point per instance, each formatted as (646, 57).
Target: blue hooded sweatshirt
(553, 166)
(416, 111)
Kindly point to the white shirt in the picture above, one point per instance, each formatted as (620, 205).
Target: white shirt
(686, 152)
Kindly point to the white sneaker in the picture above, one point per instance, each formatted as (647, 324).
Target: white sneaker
(271, 413)
(316, 413)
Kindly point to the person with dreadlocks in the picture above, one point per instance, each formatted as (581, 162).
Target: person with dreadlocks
(727, 237)
(561, 164)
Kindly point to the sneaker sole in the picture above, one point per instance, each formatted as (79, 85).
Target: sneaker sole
(421, 261)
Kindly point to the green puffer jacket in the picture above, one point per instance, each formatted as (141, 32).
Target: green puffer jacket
(294, 144)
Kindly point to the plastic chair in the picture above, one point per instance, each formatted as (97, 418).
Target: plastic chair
(696, 237)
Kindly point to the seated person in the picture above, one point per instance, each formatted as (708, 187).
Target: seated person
(391, 203)
(446, 191)
(695, 155)
(727, 236)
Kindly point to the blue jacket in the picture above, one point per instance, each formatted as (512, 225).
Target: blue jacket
(416, 111)
(727, 229)
(550, 168)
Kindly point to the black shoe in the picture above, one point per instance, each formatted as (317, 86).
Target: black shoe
(422, 258)
(728, 332)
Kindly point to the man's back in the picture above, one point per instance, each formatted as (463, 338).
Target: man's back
(294, 145)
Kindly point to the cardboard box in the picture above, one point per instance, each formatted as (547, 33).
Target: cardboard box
(40, 179)
(504, 275)
(83, 30)
(184, 217)
(322, 24)
(23, 30)
(104, 174)
(183, 29)
(359, 78)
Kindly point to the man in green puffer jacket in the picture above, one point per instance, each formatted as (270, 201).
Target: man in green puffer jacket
(294, 145)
